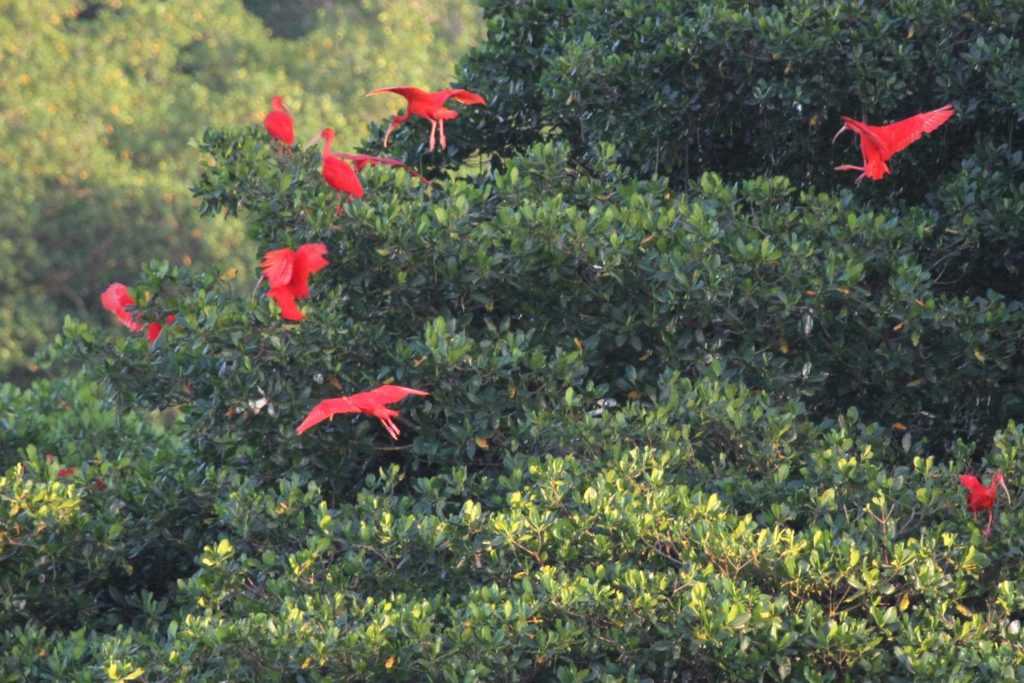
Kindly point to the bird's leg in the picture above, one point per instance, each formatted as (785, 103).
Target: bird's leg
(988, 529)
(433, 132)
(391, 427)
(851, 167)
(444, 142)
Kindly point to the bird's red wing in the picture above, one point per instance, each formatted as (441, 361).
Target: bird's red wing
(115, 299)
(406, 91)
(285, 298)
(900, 135)
(360, 161)
(341, 177)
(465, 96)
(309, 258)
(389, 393)
(970, 481)
(326, 409)
(278, 266)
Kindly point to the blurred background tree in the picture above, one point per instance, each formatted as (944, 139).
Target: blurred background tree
(101, 99)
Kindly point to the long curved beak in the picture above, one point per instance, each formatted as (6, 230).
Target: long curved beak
(316, 138)
(841, 131)
(1002, 484)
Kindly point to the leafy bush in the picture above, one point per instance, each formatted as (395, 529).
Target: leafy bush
(746, 89)
(707, 430)
(102, 100)
(741, 89)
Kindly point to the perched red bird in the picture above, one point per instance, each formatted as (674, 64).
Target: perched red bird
(879, 143)
(279, 122)
(336, 171)
(361, 161)
(429, 105)
(983, 498)
(117, 299)
(373, 402)
(288, 273)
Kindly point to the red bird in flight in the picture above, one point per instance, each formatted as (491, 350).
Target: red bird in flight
(336, 171)
(288, 273)
(373, 402)
(983, 498)
(879, 143)
(279, 122)
(117, 299)
(429, 105)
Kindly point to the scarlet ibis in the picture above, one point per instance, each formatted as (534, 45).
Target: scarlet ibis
(983, 498)
(279, 122)
(288, 273)
(117, 299)
(879, 143)
(336, 171)
(373, 402)
(429, 105)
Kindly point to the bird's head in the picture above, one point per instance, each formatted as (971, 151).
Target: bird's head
(277, 102)
(326, 134)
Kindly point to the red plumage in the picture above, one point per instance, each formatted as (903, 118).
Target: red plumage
(373, 403)
(428, 105)
(117, 299)
(288, 272)
(879, 143)
(279, 122)
(983, 497)
(336, 172)
(361, 161)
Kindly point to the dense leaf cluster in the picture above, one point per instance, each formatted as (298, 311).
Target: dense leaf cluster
(697, 426)
(100, 102)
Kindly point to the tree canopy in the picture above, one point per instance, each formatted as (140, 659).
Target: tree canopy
(699, 415)
(102, 98)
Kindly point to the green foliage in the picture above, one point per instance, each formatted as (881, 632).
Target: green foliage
(500, 294)
(708, 430)
(102, 98)
(743, 89)
(93, 510)
(636, 458)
